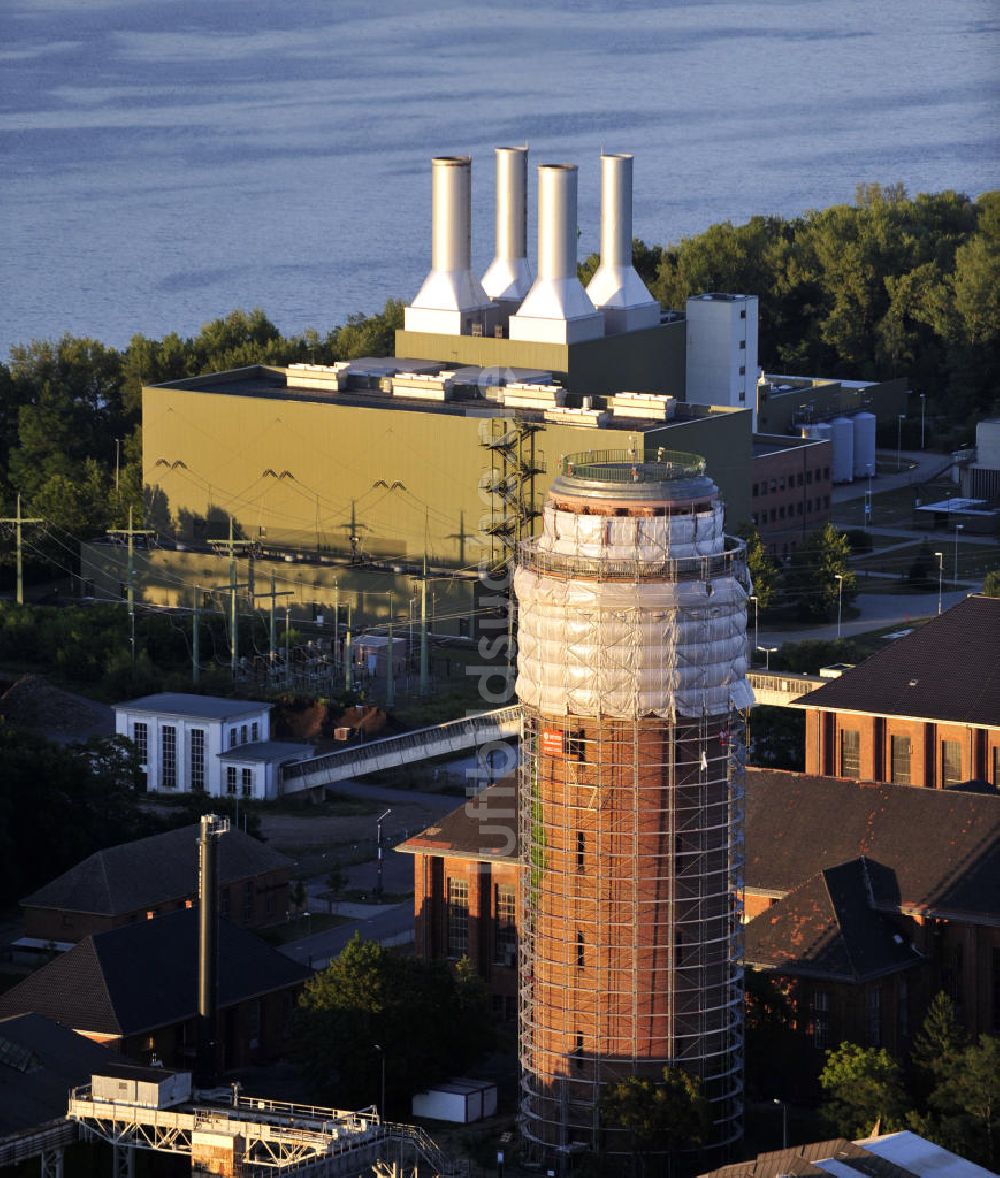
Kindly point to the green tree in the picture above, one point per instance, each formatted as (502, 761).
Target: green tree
(765, 575)
(940, 1040)
(812, 583)
(863, 1087)
(964, 1106)
(991, 583)
(426, 1021)
(660, 1116)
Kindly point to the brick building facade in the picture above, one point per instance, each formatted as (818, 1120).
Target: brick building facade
(925, 711)
(790, 492)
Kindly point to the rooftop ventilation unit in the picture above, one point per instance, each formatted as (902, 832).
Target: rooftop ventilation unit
(557, 309)
(508, 279)
(451, 299)
(616, 288)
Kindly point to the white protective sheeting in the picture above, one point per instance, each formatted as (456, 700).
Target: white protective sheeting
(625, 649)
(628, 648)
(633, 537)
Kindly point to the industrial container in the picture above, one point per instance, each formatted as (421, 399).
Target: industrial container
(864, 444)
(459, 1101)
(842, 436)
(144, 1087)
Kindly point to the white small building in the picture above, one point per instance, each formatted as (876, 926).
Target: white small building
(721, 351)
(206, 744)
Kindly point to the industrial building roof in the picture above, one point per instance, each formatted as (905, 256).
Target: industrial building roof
(827, 928)
(140, 875)
(40, 1061)
(192, 707)
(906, 678)
(939, 849)
(268, 752)
(133, 979)
(927, 850)
(838, 1156)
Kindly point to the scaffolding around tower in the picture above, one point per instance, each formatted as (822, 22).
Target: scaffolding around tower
(632, 677)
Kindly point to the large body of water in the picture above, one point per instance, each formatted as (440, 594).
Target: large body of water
(164, 162)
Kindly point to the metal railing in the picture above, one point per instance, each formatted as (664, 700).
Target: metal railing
(629, 466)
(729, 563)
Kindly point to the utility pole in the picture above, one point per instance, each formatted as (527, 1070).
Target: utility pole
(233, 546)
(424, 650)
(272, 633)
(17, 521)
(348, 669)
(390, 691)
(131, 533)
(196, 637)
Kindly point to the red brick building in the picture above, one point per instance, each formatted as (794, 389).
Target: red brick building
(466, 877)
(924, 711)
(152, 876)
(835, 871)
(790, 492)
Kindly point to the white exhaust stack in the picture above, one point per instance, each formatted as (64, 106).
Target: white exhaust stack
(557, 309)
(508, 279)
(451, 299)
(616, 288)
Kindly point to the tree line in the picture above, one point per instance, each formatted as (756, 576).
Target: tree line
(889, 286)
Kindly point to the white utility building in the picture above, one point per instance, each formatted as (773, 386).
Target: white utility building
(721, 355)
(207, 744)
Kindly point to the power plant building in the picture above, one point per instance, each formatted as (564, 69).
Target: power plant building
(632, 665)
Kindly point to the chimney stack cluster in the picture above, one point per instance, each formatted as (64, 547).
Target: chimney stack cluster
(554, 307)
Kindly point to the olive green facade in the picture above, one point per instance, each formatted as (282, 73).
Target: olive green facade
(649, 361)
(309, 471)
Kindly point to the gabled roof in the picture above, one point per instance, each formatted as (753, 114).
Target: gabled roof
(485, 827)
(827, 928)
(193, 707)
(39, 1062)
(133, 979)
(947, 669)
(941, 848)
(814, 1158)
(273, 752)
(151, 871)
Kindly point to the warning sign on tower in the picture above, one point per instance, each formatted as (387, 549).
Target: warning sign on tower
(552, 742)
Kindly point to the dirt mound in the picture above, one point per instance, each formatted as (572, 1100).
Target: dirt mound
(32, 702)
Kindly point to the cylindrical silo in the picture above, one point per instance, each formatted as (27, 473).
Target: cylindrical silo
(632, 665)
(842, 462)
(864, 444)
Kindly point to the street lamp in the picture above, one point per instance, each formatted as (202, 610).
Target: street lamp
(923, 406)
(958, 528)
(767, 651)
(381, 857)
(756, 622)
(840, 600)
(784, 1121)
(900, 418)
(940, 560)
(381, 1051)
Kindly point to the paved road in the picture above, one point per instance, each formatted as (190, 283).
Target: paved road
(877, 611)
(389, 925)
(919, 467)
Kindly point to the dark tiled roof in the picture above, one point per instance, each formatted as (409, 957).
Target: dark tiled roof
(941, 848)
(826, 927)
(947, 669)
(485, 827)
(132, 979)
(39, 1062)
(151, 871)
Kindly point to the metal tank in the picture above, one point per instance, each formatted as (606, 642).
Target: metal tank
(616, 289)
(632, 663)
(864, 444)
(508, 279)
(842, 463)
(557, 309)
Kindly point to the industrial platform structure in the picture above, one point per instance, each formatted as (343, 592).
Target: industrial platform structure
(632, 666)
